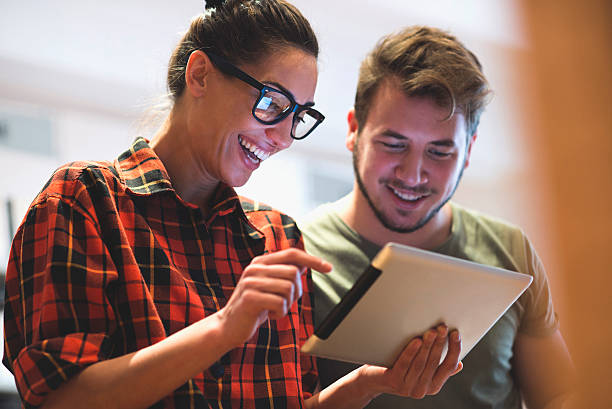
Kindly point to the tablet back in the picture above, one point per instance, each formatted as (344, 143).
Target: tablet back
(404, 292)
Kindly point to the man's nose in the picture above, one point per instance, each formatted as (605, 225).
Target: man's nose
(411, 170)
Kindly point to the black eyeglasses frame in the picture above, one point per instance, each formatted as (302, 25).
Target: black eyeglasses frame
(229, 68)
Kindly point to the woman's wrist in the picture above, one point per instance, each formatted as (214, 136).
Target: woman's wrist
(214, 334)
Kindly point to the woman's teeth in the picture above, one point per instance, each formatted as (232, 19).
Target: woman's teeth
(260, 154)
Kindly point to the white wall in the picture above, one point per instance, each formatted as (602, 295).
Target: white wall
(92, 68)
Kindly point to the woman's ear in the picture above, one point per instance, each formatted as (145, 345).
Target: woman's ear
(197, 72)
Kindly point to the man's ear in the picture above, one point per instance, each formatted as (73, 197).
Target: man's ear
(469, 149)
(353, 130)
(197, 73)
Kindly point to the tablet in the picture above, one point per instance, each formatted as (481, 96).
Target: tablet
(404, 292)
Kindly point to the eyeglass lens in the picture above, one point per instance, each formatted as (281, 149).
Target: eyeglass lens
(274, 105)
(271, 106)
(303, 124)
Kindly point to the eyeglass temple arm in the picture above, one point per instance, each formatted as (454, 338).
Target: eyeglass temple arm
(228, 68)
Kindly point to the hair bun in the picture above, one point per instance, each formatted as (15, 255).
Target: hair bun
(208, 4)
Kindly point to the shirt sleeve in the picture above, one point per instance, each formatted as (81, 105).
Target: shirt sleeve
(57, 317)
(539, 316)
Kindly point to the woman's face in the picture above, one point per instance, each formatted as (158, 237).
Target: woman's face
(229, 143)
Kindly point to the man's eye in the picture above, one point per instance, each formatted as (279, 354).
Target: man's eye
(440, 154)
(393, 145)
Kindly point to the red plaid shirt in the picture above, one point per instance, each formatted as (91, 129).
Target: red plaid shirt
(110, 260)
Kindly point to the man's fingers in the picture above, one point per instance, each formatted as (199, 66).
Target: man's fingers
(451, 364)
(418, 365)
(433, 361)
(404, 361)
(413, 375)
(454, 350)
(294, 257)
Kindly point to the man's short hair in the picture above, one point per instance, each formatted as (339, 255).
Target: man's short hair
(426, 62)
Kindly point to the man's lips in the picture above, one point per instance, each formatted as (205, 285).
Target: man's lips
(411, 195)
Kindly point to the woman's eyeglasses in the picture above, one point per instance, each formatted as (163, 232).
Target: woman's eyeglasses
(273, 105)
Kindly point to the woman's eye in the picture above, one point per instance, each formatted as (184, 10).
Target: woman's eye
(274, 107)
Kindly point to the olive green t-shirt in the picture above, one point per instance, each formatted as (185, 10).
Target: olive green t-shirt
(486, 379)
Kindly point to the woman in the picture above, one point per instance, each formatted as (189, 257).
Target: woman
(148, 281)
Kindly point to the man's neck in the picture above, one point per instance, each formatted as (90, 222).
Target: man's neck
(357, 214)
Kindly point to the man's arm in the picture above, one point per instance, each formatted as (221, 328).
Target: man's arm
(416, 373)
(543, 369)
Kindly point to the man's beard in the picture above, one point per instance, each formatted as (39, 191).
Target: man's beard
(384, 220)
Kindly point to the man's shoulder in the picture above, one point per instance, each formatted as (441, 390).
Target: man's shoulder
(476, 221)
(489, 240)
(321, 215)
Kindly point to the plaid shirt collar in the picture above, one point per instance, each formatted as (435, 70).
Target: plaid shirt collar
(143, 173)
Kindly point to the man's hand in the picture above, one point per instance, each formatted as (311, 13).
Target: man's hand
(417, 371)
(268, 287)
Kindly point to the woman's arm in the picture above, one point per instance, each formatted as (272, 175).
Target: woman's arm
(267, 288)
(144, 377)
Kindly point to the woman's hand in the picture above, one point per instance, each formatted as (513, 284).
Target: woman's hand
(267, 288)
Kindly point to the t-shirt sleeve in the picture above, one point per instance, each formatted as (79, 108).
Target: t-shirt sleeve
(57, 317)
(539, 316)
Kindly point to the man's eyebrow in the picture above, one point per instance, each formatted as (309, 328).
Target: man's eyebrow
(444, 142)
(393, 134)
(285, 90)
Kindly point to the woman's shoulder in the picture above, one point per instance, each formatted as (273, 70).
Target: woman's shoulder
(265, 217)
(254, 209)
(71, 179)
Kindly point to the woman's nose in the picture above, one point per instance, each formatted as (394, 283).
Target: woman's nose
(280, 133)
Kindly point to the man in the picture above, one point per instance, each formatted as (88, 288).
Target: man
(419, 98)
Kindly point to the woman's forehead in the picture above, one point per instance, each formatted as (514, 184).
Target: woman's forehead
(291, 68)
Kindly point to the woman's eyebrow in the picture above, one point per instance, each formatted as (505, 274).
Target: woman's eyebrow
(285, 90)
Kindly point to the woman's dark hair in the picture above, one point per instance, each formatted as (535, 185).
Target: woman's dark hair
(241, 31)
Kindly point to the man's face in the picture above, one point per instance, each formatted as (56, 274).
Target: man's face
(407, 159)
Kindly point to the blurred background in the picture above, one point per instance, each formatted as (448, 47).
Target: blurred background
(79, 79)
